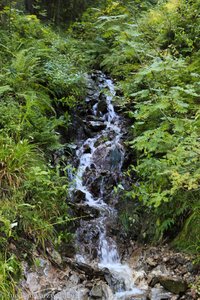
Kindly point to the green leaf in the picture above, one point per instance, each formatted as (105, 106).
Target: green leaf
(5, 88)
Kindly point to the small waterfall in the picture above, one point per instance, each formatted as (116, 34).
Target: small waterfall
(100, 161)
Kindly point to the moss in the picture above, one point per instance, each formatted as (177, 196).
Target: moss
(189, 238)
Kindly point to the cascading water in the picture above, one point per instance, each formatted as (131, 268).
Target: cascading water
(100, 157)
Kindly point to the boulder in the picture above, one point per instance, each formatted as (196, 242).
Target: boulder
(79, 196)
(101, 291)
(173, 284)
(108, 158)
(86, 149)
(69, 293)
(159, 294)
(102, 107)
(96, 292)
(96, 125)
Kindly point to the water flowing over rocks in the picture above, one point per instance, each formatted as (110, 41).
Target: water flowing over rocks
(98, 271)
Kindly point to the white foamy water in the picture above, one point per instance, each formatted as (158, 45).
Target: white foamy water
(107, 252)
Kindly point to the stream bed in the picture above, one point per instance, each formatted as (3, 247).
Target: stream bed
(103, 154)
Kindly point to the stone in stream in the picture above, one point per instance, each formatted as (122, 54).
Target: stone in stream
(93, 118)
(173, 284)
(102, 107)
(159, 294)
(108, 158)
(86, 149)
(115, 157)
(96, 125)
(79, 196)
(87, 212)
(95, 184)
(101, 291)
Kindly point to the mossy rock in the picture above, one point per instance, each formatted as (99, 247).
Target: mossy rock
(173, 285)
(189, 237)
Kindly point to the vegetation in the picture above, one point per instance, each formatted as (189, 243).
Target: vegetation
(152, 49)
(41, 80)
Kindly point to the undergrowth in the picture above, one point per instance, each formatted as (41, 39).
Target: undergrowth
(42, 78)
(153, 52)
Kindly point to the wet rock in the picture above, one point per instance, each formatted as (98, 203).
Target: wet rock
(88, 132)
(91, 91)
(173, 284)
(159, 294)
(90, 271)
(152, 281)
(88, 211)
(100, 180)
(101, 291)
(86, 149)
(96, 125)
(101, 140)
(79, 196)
(96, 292)
(115, 283)
(102, 107)
(116, 156)
(108, 158)
(134, 297)
(74, 279)
(139, 278)
(93, 118)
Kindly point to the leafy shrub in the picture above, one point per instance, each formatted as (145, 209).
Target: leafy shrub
(154, 56)
(42, 76)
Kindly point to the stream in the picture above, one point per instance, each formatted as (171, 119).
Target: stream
(100, 157)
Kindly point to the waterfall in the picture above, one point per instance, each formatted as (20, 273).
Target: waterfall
(100, 160)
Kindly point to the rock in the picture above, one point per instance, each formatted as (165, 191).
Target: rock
(151, 262)
(89, 271)
(84, 210)
(135, 297)
(75, 279)
(79, 196)
(96, 125)
(102, 107)
(115, 283)
(88, 211)
(101, 291)
(159, 294)
(93, 118)
(107, 292)
(152, 281)
(75, 293)
(139, 278)
(173, 284)
(97, 292)
(160, 270)
(108, 158)
(88, 132)
(56, 257)
(116, 157)
(87, 149)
